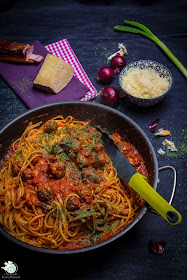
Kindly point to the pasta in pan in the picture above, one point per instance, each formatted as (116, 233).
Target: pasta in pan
(59, 189)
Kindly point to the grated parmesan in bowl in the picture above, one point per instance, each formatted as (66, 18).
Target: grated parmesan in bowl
(145, 82)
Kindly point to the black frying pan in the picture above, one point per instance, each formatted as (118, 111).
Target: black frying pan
(104, 116)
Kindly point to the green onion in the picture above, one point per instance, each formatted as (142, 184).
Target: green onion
(143, 30)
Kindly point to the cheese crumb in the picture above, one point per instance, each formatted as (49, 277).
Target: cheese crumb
(161, 151)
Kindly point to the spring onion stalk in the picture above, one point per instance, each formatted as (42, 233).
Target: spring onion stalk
(143, 30)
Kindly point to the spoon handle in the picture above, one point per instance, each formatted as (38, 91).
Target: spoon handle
(167, 211)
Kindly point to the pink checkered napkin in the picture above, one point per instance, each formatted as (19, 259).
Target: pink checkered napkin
(63, 50)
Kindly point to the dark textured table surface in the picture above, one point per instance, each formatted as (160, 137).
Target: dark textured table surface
(88, 26)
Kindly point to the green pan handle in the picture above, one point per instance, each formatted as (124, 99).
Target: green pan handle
(168, 212)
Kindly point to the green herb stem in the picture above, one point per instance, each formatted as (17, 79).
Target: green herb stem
(147, 33)
(133, 30)
(172, 57)
(139, 25)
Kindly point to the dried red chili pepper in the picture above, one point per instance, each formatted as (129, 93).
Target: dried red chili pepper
(153, 126)
(156, 247)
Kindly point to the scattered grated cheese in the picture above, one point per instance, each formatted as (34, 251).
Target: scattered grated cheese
(161, 151)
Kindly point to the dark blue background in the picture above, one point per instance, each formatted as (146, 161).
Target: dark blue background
(88, 26)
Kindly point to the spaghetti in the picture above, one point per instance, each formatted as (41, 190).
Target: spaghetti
(59, 190)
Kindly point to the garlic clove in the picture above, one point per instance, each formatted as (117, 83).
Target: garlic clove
(162, 132)
(170, 145)
(122, 51)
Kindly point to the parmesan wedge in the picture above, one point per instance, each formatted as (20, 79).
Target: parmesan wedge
(54, 74)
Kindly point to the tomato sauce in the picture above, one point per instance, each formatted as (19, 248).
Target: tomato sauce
(131, 154)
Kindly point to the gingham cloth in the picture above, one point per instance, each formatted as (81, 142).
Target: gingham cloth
(63, 50)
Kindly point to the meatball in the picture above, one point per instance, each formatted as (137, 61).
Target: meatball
(15, 168)
(44, 193)
(91, 175)
(101, 160)
(86, 151)
(76, 145)
(99, 147)
(27, 174)
(57, 169)
(73, 203)
(50, 126)
(86, 195)
(82, 160)
(70, 144)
